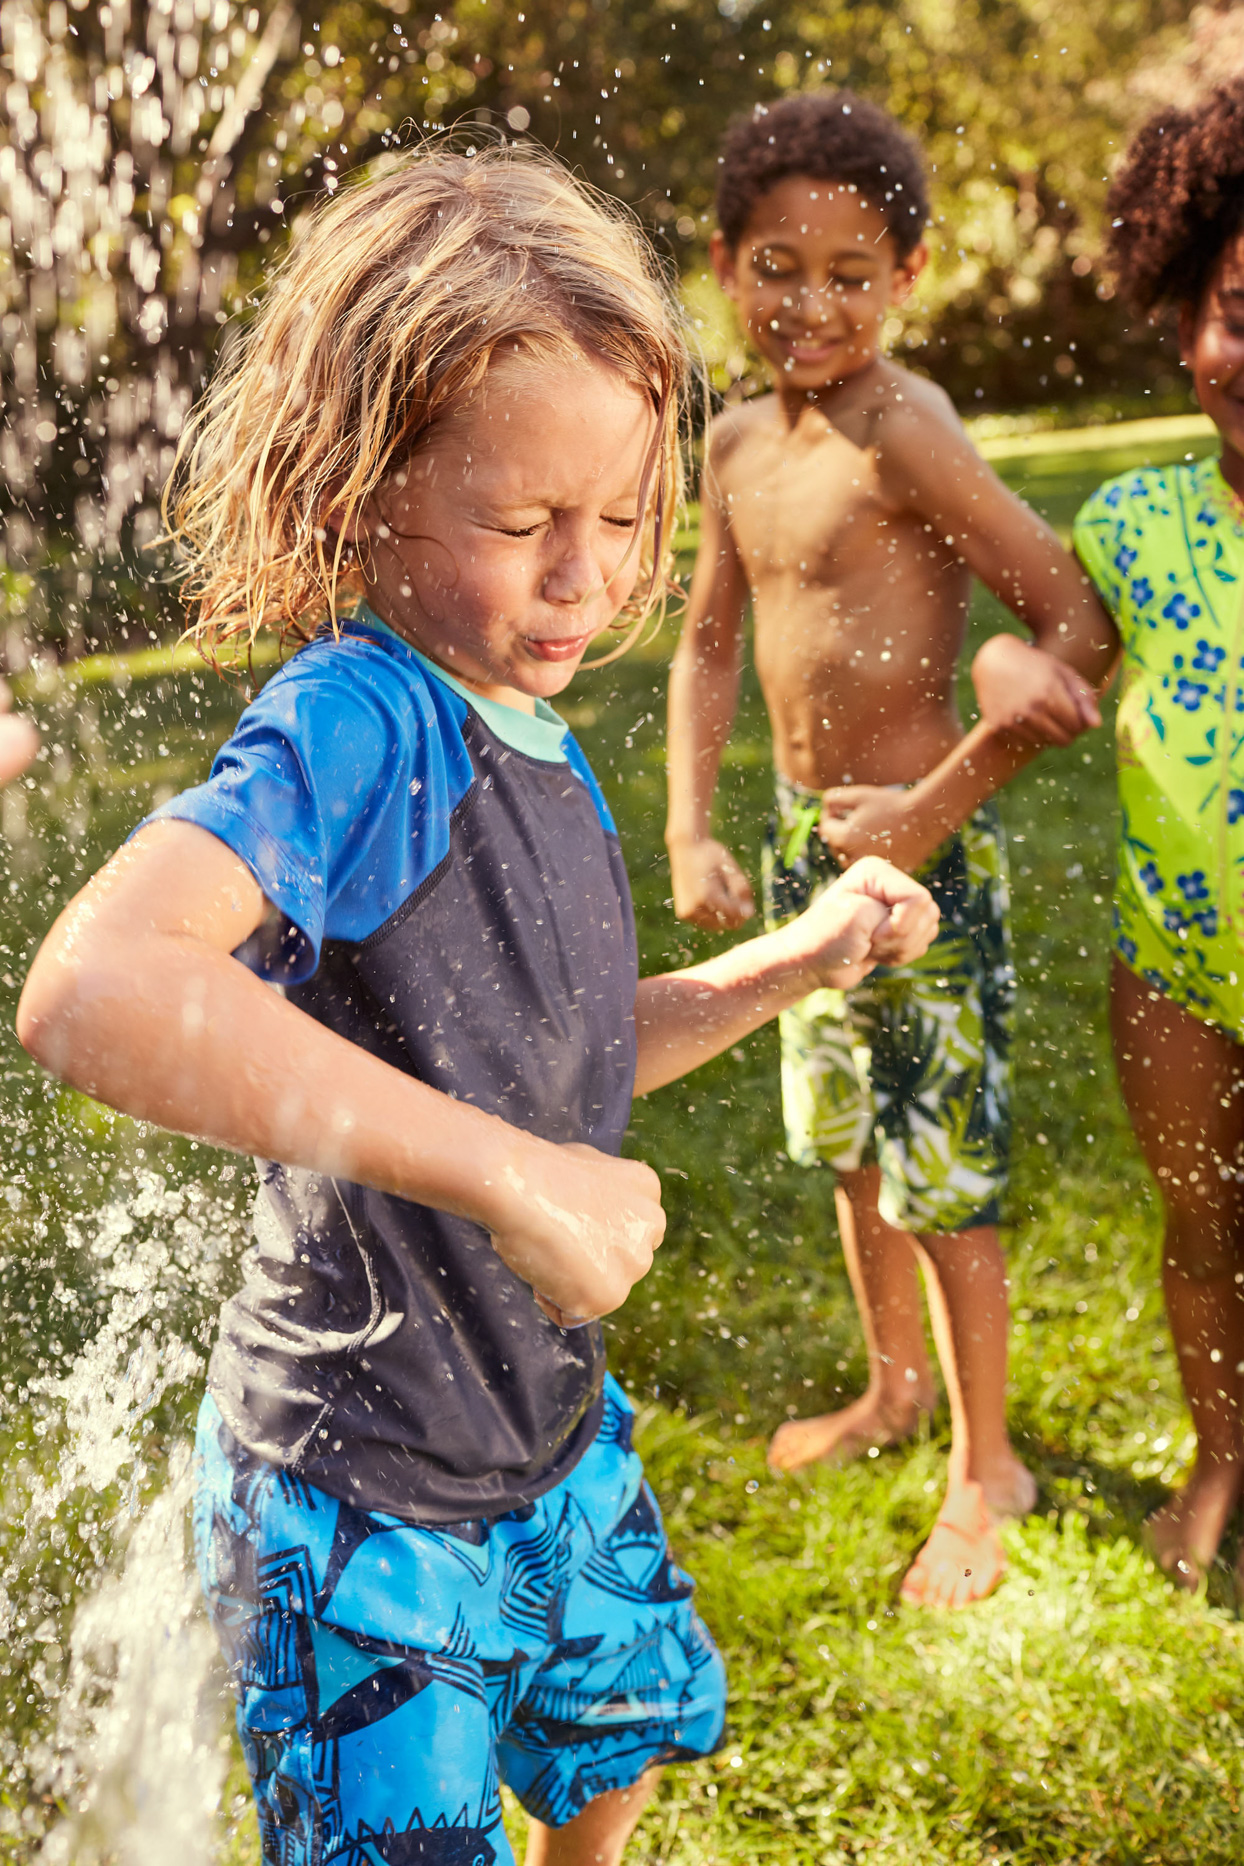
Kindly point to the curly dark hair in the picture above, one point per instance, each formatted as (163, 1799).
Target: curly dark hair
(1178, 200)
(829, 136)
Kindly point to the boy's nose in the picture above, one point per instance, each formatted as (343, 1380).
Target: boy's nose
(573, 579)
(817, 303)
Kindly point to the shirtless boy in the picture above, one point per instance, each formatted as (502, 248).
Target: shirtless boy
(852, 510)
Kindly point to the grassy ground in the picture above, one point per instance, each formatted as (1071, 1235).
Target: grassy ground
(1087, 1713)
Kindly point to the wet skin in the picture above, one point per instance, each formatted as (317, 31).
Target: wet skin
(1211, 341)
(849, 506)
(1183, 1082)
(830, 557)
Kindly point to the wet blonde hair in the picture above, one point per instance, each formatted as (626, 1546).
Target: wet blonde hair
(384, 315)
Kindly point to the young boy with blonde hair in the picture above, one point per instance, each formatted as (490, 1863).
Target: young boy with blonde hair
(850, 508)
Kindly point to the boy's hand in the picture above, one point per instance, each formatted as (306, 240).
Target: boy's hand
(1022, 689)
(18, 740)
(710, 889)
(579, 1226)
(873, 819)
(873, 915)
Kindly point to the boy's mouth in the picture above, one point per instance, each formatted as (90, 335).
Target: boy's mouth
(810, 350)
(564, 649)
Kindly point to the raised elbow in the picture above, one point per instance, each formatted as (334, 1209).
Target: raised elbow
(63, 1013)
(45, 1012)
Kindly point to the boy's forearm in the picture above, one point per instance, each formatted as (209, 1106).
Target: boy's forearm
(683, 1019)
(981, 763)
(177, 1034)
(703, 697)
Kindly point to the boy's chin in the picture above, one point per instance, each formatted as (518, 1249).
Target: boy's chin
(808, 373)
(543, 680)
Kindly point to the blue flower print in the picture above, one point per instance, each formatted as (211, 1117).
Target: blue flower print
(1208, 659)
(1180, 611)
(1124, 558)
(1190, 693)
(1127, 948)
(1113, 497)
(1207, 920)
(1142, 592)
(1192, 886)
(1150, 877)
(1173, 920)
(1235, 805)
(1206, 517)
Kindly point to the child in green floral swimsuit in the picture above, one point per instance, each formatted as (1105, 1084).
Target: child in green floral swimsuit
(1165, 550)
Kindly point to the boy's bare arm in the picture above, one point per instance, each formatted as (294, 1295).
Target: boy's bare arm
(135, 999)
(872, 916)
(928, 464)
(1031, 695)
(709, 886)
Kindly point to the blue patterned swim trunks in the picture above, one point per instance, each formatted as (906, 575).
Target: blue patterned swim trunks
(391, 1677)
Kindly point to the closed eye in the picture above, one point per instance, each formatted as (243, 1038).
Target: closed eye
(623, 524)
(527, 531)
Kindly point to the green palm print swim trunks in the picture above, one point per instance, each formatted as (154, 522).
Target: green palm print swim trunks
(910, 1067)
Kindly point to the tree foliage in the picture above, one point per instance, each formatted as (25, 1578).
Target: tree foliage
(158, 152)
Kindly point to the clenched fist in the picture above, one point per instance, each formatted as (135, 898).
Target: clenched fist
(578, 1225)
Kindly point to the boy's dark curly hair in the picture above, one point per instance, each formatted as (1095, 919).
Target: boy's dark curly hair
(830, 136)
(1178, 199)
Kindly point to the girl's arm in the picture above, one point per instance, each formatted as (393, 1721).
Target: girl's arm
(134, 998)
(709, 886)
(872, 916)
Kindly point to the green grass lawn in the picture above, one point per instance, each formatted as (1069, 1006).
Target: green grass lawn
(1087, 1712)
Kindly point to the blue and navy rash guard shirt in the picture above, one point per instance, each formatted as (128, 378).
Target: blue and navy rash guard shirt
(450, 895)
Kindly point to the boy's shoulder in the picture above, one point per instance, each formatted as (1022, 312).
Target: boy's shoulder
(730, 431)
(359, 675)
(353, 709)
(357, 657)
(907, 410)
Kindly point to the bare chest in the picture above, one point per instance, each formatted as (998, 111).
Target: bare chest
(811, 506)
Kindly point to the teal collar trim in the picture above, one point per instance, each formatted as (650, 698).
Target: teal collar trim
(539, 735)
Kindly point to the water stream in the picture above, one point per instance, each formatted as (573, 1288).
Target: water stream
(116, 1244)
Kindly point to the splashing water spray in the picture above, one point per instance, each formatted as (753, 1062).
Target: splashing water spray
(144, 149)
(122, 1756)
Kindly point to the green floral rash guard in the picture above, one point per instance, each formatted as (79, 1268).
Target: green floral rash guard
(1165, 550)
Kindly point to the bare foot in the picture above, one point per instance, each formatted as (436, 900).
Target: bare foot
(1183, 1536)
(841, 1436)
(1010, 1490)
(962, 1560)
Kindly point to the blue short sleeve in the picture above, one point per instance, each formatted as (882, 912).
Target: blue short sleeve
(336, 790)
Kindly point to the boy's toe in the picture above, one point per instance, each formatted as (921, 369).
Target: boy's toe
(962, 1561)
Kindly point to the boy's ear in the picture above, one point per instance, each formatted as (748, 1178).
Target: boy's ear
(724, 262)
(354, 529)
(907, 272)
